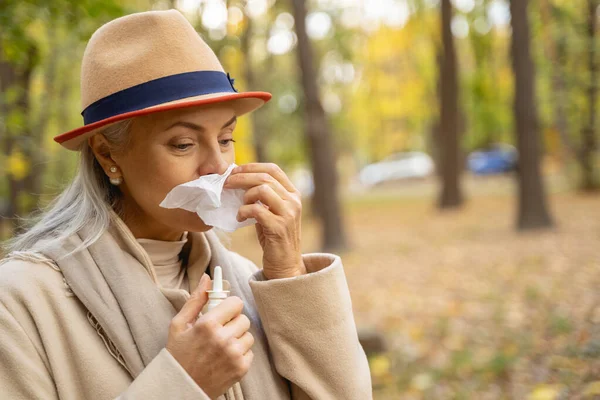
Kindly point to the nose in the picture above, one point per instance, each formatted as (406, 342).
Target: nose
(214, 163)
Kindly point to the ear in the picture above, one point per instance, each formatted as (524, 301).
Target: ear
(102, 151)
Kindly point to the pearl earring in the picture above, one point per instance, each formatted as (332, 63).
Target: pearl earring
(115, 181)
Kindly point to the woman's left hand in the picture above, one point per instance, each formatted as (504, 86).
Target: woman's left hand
(278, 217)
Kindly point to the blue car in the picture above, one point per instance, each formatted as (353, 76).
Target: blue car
(499, 159)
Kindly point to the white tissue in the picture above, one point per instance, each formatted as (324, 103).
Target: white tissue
(206, 197)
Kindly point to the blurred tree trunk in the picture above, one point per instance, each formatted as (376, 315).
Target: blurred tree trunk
(33, 182)
(14, 79)
(435, 135)
(557, 79)
(450, 165)
(588, 143)
(532, 199)
(256, 120)
(319, 140)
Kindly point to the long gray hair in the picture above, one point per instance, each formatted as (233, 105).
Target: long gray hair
(87, 201)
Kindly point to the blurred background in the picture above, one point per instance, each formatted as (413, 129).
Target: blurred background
(446, 148)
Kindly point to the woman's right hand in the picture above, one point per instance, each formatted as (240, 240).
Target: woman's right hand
(214, 349)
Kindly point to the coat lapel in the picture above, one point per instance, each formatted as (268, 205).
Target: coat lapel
(254, 384)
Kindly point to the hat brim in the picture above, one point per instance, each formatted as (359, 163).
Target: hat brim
(242, 103)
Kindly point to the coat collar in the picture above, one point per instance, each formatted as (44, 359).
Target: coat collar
(197, 251)
(197, 254)
(115, 281)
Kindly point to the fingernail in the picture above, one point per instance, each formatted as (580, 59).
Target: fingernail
(236, 170)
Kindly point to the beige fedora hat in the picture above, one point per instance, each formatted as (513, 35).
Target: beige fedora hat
(149, 62)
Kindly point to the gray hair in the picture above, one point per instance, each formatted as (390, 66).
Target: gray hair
(87, 201)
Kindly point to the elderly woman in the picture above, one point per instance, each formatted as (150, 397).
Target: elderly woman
(102, 298)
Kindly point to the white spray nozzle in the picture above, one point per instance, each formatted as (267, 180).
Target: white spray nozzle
(217, 294)
(218, 280)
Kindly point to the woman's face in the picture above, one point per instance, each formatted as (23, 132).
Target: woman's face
(166, 150)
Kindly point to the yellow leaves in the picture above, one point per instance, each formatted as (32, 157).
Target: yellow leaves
(381, 367)
(421, 382)
(393, 97)
(17, 165)
(244, 149)
(454, 342)
(511, 349)
(545, 392)
(232, 59)
(591, 389)
(575, 365)
(416, 332)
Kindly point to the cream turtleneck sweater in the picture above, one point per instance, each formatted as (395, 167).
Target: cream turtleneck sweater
(167, 262)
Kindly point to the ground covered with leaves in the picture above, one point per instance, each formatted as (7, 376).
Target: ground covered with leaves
(468, 308)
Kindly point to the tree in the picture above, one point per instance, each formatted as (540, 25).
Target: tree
(319, 140)
(15, 74)
(28, 44)
(533, 211)
(257, 117)
(588, 143)
(450, 164)
(557, 79)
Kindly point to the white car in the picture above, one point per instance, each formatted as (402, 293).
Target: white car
(398, 166)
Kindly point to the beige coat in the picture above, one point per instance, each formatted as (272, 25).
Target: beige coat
(306, 344)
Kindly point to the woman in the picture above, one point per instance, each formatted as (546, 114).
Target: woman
(102, 298)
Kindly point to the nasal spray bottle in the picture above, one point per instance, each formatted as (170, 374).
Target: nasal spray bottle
(217, 294)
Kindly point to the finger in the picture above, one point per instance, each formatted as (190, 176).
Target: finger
(237, 326)
(230, 308)
(272, 169)
(267, 196)
(245, 342)
(248, 357)
(260, 213)
(192, 307)
(249, 180)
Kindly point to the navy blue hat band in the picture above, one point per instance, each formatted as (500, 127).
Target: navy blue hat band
(158, 91)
